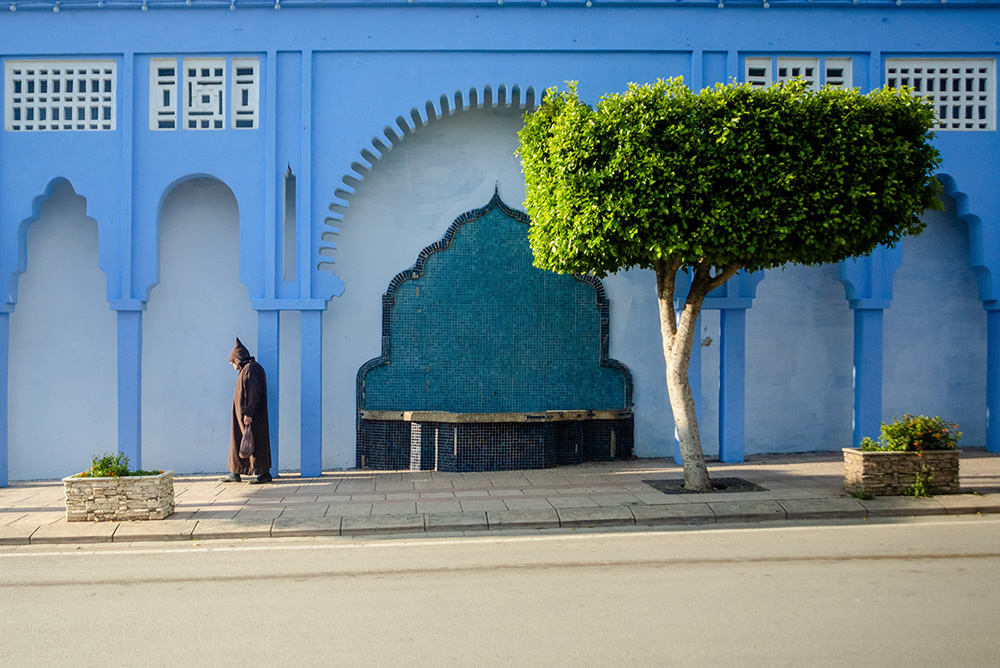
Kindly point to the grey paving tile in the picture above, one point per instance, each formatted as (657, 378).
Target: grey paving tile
(367, 497)
(616, 499)
(166, 529)
(818, 509)
(659, 498)
(437, 495)
(902, 506)
(258, 515)
(210, 513)
(475, 505)
(349, 509)
(506, 492)
(17, 533)
(207, 529)
(395, 508)
(527, 504)
(375, 524)
(969, 503)
(285, 527)
(305, 510)
(572, 501)
(591, 517)
(682, 513)
(522, 519)
(442, 522)
(747, 511)
(74, 532)
(439, 506)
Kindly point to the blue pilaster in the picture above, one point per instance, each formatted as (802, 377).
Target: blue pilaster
(268, 341)
(312, 394)
(732, 383)
(4, 352)
(868, 285)
(992, 380)
(130, 386)
(867, 374)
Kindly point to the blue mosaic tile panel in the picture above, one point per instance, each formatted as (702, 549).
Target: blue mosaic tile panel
(474, 327)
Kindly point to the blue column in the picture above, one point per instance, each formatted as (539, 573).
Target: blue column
(732, 383)
(992, 380)
(4, 352)
(694, 379)
(867, 374)
(130, 386)
(268, 340)
(312, 394)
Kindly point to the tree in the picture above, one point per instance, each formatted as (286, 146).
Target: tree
(733, 177)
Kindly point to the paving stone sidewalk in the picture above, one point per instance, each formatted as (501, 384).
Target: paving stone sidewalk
(357, 503)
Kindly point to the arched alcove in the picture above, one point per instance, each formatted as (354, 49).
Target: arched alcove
(62, 382)
(193, 315)
(799, 362)
(405, 203)
(935, 331)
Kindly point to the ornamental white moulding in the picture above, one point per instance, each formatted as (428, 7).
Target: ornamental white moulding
(962, 90)
(42, 95)
(816, 72)
(199, 86)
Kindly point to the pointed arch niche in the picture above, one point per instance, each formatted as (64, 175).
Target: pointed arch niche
(62, 382)
(193, 315)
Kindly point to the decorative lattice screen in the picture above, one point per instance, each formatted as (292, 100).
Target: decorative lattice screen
(163, 83)
(60, 95)
(764, 71)
(962, 90)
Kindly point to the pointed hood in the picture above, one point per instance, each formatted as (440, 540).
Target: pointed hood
(240, 354)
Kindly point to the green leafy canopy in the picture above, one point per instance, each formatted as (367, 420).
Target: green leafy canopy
(735, 175)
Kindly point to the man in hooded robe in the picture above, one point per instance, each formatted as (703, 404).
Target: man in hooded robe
(249, 412)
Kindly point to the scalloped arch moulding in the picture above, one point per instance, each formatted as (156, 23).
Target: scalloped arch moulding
(328, 109)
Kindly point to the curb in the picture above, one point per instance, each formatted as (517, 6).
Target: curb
(690, 514)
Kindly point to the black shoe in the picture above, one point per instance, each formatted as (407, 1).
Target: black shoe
(231, 477)
(261, 479)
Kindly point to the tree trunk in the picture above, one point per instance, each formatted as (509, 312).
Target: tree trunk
(679, 333)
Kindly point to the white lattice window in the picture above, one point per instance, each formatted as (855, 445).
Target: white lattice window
(245, 95)
(163, 81)
(204, 93)
(60, 95)
(962, 90)
(814, 71)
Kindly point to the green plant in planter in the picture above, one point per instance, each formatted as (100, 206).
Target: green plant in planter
(112, 466)
(915, 433)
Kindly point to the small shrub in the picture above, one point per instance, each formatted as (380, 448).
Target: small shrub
(112, 466)
(915, 433)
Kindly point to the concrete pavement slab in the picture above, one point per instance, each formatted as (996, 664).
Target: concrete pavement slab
(306, 526)
(208, 529)
(17, 533)
(902, 506)
(383, 523)
(456, 522)
(521, 503)
(522, 519)
(349, 509)
(395, 508)
(305, 510)
(167, 529)
(572, 501)
(439, 506)
(819, 509)
(969, 503)
(655, 498)
(477, 505)
(747, 511)
(592, 517)
(683, 513)
(74, 532)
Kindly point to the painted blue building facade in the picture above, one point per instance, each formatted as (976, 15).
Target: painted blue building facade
(145, 124)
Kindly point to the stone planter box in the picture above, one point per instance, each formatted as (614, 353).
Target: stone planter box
(117, 499)
(892, 473)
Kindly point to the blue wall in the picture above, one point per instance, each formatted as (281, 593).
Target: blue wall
(343, 85)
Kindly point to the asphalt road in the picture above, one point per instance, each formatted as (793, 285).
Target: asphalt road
(918, 593)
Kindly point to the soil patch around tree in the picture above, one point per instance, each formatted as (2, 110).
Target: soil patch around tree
(719, 486)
